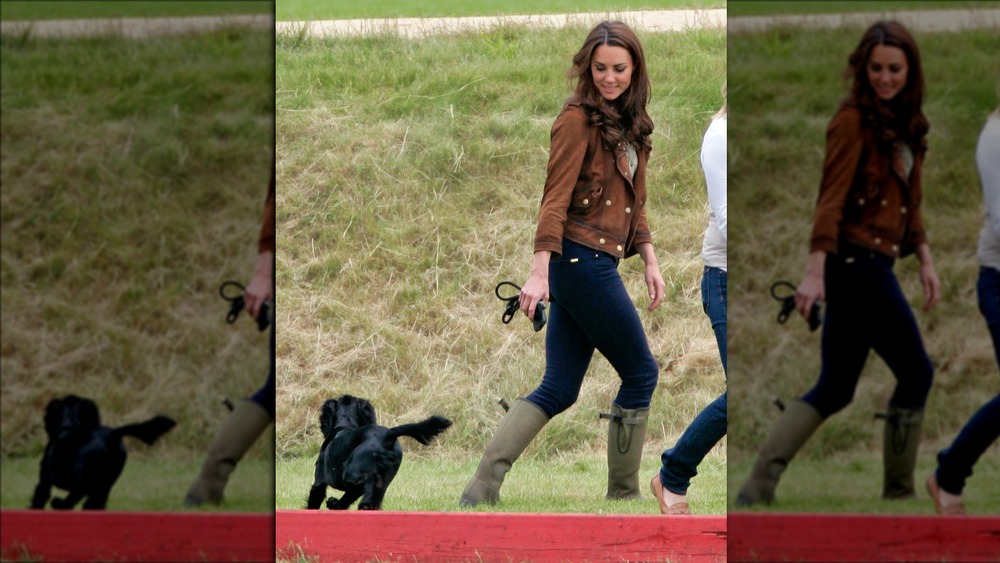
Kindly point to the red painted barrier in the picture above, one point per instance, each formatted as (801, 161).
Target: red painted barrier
(82, 536)
(439, 537)
(864, 538)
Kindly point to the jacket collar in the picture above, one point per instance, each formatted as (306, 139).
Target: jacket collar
(621, 163)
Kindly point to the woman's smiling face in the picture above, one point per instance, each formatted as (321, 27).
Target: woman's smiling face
(611, 68)
(887, 68)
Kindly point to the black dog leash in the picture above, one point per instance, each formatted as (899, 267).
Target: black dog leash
(788, 305)
(514, 305)
(237, 303)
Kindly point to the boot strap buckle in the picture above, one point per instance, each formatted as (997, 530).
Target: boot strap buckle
(620, 419)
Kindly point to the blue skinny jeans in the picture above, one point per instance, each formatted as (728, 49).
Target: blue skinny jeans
(680, 463)
(955, 462)
(866, 310)
(591, 310)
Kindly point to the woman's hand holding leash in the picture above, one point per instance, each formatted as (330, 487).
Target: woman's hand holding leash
(260, 289)
(536, 289)
(812, 289)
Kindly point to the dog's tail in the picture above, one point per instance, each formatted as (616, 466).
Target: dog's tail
(422, 432)
(147, 431)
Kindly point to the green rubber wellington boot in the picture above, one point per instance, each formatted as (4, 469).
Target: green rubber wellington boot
(523, 422)
(899, 451)
(626, 434)
(245, 424)
(795, 425)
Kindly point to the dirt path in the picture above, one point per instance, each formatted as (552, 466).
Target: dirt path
(662, 20)
(649, 21)
(931, 20)
(132, 28)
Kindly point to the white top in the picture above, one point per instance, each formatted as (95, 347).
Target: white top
(713, 162)
(988, 162)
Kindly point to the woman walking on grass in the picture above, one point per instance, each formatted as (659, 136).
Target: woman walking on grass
(867, 215)
(680, 463)
(593, 215)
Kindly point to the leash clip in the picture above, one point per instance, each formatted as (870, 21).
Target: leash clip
(788, 305)
(237, 304)
(514, 305)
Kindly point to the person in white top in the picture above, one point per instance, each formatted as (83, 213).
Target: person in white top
(955, 462)
(680, 463)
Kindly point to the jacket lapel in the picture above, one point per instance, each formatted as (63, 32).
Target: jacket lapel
(900, 166)
(621, 163)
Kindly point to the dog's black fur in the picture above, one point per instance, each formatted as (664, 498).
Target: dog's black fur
(84, 457)
(360, 457)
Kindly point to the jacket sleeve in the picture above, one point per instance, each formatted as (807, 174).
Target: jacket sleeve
(642, 234)
(844, 145)
(569, 138)
(267, 237)
(917, 234)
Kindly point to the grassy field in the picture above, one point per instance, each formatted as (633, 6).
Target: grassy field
(150, 484)
(431, 480)
(304, 10)
(410, 182)
(852, 484)
(738, 8)
(133, 182)
(784, 87)
(49, 10)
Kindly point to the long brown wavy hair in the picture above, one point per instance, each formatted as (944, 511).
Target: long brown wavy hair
(624, 118)
(902, 117)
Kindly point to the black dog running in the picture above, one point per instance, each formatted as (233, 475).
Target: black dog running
(84, 457)
(360, 457)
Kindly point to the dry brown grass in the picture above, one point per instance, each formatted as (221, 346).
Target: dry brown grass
(134, 176)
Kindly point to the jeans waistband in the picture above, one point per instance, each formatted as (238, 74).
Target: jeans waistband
(574, 249)
(851, 253)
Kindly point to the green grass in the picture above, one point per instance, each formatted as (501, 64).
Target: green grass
(566, 483)
(411, 173)
(781, 102)
(48, 10)
(133, 181)
(852, 483)
(303, 10)
(156, 478)
(739, 8)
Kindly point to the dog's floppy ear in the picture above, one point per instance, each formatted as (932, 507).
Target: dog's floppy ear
(328, 417)
(368, 413)
(53, 417)
(90, 416)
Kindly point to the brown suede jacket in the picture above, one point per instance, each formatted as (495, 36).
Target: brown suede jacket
(589, 196)
(866, 197)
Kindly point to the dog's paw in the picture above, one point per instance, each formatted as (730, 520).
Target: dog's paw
(334, 504)
(368, 506)
(61, 504)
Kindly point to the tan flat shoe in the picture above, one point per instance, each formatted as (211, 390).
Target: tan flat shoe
(950, 510)
(676, 509)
